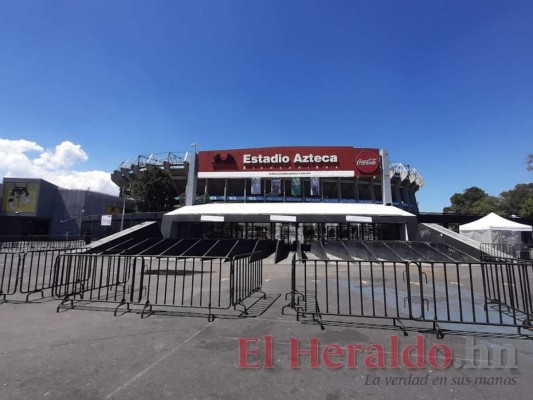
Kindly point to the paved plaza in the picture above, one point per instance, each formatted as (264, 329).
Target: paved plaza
(90, 354)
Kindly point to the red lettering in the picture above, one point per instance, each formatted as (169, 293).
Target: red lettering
(394, 352)
(418, 350)
(296, 352)
(268, 352)
(446, 353)
(376, 360)
(244, 351)
(332, 350)
(352, 357)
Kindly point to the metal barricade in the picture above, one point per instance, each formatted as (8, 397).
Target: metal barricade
(9, 274)
(194, 283)
(93, 278)
(501, 252)
(509, 289)
(183, 282)
(247, 271)
(24, 244)
(454, 294)
(37, 270)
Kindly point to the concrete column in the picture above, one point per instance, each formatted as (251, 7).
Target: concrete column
(385, 178)
(190, 191)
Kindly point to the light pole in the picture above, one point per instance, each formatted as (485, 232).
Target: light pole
(124, 193)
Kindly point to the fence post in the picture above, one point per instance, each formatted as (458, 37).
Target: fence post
(232, 281)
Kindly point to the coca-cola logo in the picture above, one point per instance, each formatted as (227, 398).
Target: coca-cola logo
(367, 161)
(370, 161)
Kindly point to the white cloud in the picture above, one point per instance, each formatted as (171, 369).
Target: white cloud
(18, 146)
(66, 155)
(25, 159)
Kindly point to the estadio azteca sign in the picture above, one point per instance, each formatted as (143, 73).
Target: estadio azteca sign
(281, 159)
(289, 162)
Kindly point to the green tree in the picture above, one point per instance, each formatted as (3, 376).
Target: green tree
(472, 201)
(486, 206)
(513, 200)
(527, 208)
(154, 191)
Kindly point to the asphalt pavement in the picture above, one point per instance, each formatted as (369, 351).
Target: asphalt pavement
(88, 353)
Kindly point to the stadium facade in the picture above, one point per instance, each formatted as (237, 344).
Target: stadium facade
(292, 193)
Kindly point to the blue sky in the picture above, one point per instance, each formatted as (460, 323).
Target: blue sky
(445, 86)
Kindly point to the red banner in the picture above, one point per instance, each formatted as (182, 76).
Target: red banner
(289, 161)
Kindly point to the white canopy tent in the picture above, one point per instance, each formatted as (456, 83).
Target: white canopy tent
(495, 230)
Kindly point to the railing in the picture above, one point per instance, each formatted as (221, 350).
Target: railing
(437, 293)
(37, 270)
(195, 282)
(29, 272)
(184, 282)
(509, 288)
(93, 277)
(491, 252)
(9, 273)
(247, 277)
(12, 244)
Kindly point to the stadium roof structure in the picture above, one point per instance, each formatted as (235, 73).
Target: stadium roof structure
(344, 209)
(289, 213)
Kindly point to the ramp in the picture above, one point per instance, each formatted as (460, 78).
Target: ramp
(435, 233)
(405, 251)
(358, 251)
(430, 253)
(337, 249)
(381, 252)
(144, 230)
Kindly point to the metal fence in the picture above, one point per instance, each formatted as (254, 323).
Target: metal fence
(509, 288)
(36, 270)
(23, 244)
(185, 282)
(28, 272)
(247, 277)
(92, 277)
(9, 273)
(490, 252)
(454, 294)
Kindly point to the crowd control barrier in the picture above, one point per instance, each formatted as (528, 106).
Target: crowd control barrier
(158, 282)
(454, 294)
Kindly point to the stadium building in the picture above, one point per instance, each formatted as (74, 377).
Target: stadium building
(292, 193)
(35, 207)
